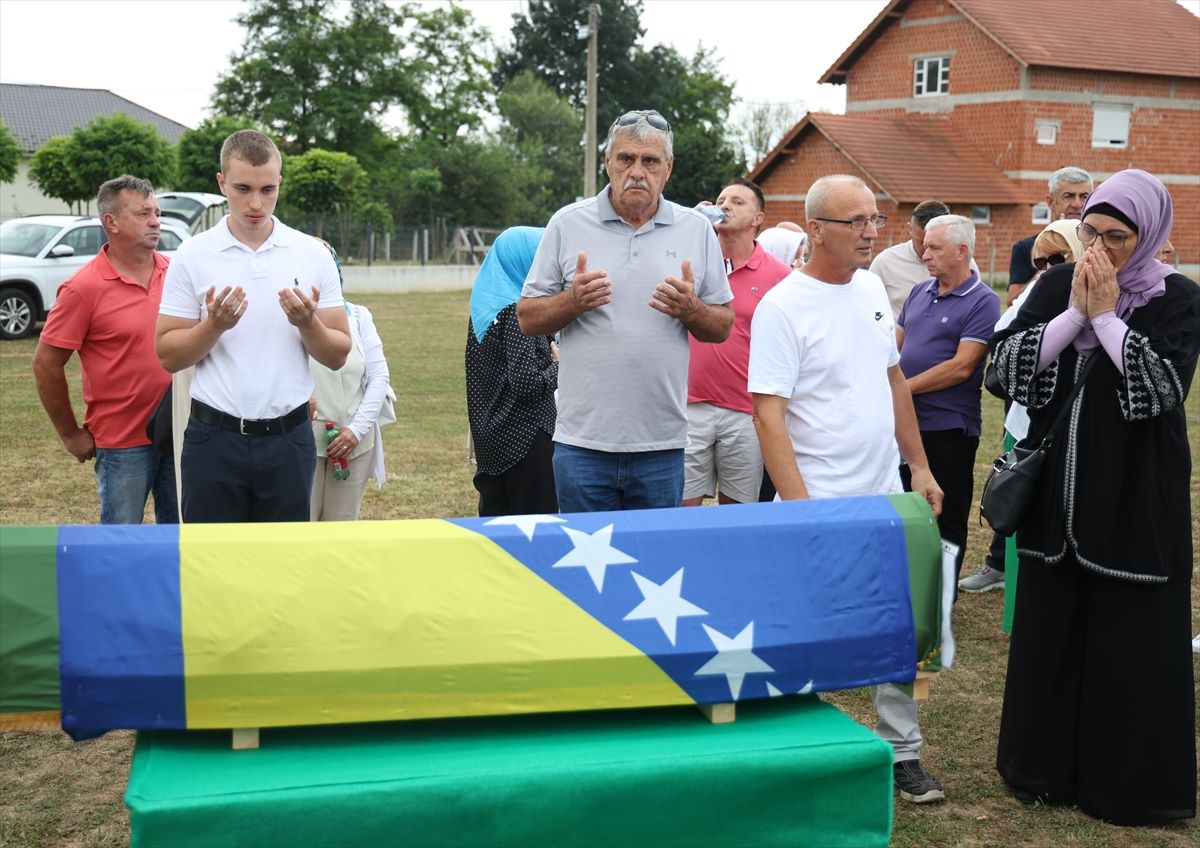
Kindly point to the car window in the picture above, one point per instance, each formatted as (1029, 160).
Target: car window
(85, 240)
(167, 240)
(24, 239)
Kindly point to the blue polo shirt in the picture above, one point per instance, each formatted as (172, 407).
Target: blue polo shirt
(933, 326)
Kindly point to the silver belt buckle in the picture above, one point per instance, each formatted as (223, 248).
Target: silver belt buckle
(242, 426)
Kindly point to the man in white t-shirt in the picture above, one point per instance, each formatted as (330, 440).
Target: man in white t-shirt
(831, 404)
(248, 452)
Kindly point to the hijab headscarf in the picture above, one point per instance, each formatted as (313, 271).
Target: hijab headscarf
(1065, 229)
(783, 244)
(1144, 200)
(502, 275)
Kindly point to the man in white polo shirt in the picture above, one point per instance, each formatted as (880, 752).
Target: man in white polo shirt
(240, 303)
(623, 367)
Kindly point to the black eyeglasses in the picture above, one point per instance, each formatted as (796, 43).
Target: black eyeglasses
(1044, 262)
(877, 221)
(648, 115)
(1113, 239)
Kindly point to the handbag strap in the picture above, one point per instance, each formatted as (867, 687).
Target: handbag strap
(1048, 439)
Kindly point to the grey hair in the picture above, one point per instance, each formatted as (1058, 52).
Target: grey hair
(642, 131)
(960, 230)
(1069, 174)
(108, 199)
(816, 201)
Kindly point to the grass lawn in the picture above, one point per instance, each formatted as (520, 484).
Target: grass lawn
(56, 792)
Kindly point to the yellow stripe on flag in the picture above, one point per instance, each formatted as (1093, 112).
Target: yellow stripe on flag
(290, 624)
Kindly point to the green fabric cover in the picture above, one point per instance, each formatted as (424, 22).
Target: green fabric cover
(924, 544)
(28, 620)
(790, 771)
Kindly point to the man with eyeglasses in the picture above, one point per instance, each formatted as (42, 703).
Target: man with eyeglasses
(1069, 189)
(626, 276)
(832, 406)
(942, 334)
(901, 266)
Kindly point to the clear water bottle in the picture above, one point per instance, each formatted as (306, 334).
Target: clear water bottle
(340, 466)
(715, 214)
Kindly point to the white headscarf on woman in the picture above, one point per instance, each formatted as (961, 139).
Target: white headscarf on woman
(784, 245)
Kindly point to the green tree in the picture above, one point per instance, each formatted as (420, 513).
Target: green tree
(691, 93)
(115, 145)
(199, 152)
(316, 79)
(10, 154)
(321, 181)
(544, 133)
(50, 172)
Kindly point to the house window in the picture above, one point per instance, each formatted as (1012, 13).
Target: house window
(1047, 131)
(981, 214)
(1041, 213)
(1110, 126)
(931, 76)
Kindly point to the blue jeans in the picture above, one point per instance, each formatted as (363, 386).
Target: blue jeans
(598, 481)
(124, 478)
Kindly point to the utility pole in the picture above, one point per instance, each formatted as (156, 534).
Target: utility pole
(589, 152)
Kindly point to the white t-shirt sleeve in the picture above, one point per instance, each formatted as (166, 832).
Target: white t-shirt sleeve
(712, 280)
(774, 352)
(329, 284)
(179, 299)
(545, 276)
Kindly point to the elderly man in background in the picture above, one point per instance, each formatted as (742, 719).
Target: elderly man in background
(831, 405)
(106, 311)
(1069, 190)
(902, 266)
(942, 335)
(605, 276)
(722, 456)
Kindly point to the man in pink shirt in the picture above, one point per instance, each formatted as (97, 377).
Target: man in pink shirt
(107, 312)
(722, 456)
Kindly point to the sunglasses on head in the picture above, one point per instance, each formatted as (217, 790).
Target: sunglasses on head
(648, 115)
(1044, 262)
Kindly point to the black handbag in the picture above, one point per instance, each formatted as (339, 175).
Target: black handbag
(991, 381)
(158, 429)
(1010, 487)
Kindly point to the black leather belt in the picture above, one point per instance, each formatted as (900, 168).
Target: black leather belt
(250, 426)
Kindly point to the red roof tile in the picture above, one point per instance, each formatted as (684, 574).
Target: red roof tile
(911, 157)
(1158, 37)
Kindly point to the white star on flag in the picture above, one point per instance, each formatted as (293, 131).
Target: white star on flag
(735, 658)
(527, 524)
(663, 603)
(594, 552)
(774, 692)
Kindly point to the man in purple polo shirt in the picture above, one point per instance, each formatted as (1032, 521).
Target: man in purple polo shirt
(942, 334)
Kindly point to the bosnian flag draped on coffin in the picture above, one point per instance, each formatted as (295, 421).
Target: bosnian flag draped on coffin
(260, 625)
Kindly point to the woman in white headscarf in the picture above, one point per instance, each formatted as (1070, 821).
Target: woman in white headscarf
(784, 244)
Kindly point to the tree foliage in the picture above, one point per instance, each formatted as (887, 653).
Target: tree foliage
(50, 171)
(321, 181)
(10, 154)
(764, 124)
(544, 134)
(199, 152)
(315, 79)
(692, 94)
(115, 145)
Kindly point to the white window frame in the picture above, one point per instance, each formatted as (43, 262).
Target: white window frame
(1110, 125)
(1046, 131)
(1041, 214)
(981, 214)
(921, 84)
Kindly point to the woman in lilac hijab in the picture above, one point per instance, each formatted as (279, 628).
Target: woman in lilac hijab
(1099, 700)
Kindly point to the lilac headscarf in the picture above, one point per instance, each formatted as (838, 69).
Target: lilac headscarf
(1145, 201)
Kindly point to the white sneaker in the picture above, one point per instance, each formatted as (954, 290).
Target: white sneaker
(984, 580)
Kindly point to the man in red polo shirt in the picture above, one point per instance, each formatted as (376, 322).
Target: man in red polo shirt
(107, 311)
(722, 456)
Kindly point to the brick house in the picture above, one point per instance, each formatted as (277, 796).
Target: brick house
(977, 102)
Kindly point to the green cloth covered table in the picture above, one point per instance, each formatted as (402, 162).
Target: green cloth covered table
(790, 771)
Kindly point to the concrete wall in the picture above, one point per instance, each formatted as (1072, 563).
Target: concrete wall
(20, 198)
(401, 279)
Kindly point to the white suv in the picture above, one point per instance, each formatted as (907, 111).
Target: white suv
(39, 253)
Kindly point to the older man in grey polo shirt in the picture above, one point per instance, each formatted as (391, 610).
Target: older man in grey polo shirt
(605, 276)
